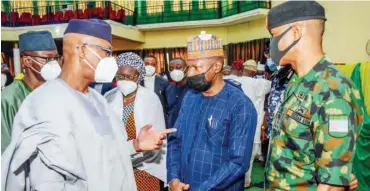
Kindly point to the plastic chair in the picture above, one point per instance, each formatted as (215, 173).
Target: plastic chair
(68, 15)
(44, 20)
(4, 19)
(112, 15)
(88, 13)
(80, 14)
(121, 15)
(98, 13)
(36, 20)
(13, 18)
(25, 19)
(58, 16)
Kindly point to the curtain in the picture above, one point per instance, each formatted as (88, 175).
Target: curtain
(177, 52)
(160, 54)
(138, 52)
(246, 50)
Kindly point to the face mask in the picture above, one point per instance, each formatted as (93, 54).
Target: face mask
(105, 70)
(150, 70)
(275, 53)
(49, 71)
(126, 87)
(199, 82)
(272, 66)
(177, 75)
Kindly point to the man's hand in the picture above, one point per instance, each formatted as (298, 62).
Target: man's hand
(354, 183)
(352, 186)
(177, 185)
(150, 139)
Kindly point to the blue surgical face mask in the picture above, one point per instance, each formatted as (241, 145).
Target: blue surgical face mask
(272, 66)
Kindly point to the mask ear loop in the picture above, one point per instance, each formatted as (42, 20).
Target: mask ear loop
(290, 46)
(185, 70)
(39, 72)
(93, 52)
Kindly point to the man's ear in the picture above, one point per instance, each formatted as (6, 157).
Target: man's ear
(26, 62)
(218, 66)
(297, 32)
(82, 52)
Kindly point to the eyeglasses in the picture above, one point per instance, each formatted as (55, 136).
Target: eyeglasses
(108, 50)
(131, 78)
(46, 59)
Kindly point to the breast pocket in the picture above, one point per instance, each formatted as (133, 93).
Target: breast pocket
(298, 129)
(217, 131)
(102, 125)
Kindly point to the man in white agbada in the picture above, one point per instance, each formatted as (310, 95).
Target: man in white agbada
(64, 136)
(138, 106)
(255, 89)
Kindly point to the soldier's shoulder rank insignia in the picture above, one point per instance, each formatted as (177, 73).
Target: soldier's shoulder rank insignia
(301, 110)
(301, 95)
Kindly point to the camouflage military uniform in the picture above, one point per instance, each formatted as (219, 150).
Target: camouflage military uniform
(314, 131)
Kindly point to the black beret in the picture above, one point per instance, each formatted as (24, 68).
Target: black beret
(91, 27)
(293, 11)
(36, 41)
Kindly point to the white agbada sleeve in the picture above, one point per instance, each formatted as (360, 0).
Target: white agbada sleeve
(61, 142)
(147, 110)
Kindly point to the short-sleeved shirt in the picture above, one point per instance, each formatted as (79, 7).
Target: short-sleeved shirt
(314, 131)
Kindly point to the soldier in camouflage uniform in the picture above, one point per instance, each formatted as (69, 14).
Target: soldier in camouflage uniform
(316, 126)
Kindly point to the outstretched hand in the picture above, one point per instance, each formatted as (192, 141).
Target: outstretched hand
(177, 185)
(150, 139)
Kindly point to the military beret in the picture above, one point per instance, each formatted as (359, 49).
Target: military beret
(36, 41)
(91, 27)
(293, 11)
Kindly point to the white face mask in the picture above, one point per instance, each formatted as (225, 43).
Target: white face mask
(49, 71)
(177, 75)
(106, 68)
(126, 87)
(150, 70)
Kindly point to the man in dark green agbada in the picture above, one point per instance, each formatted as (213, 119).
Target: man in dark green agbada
(315, 128)
(40, 61)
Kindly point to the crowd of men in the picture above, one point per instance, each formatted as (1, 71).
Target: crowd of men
(202, 132)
